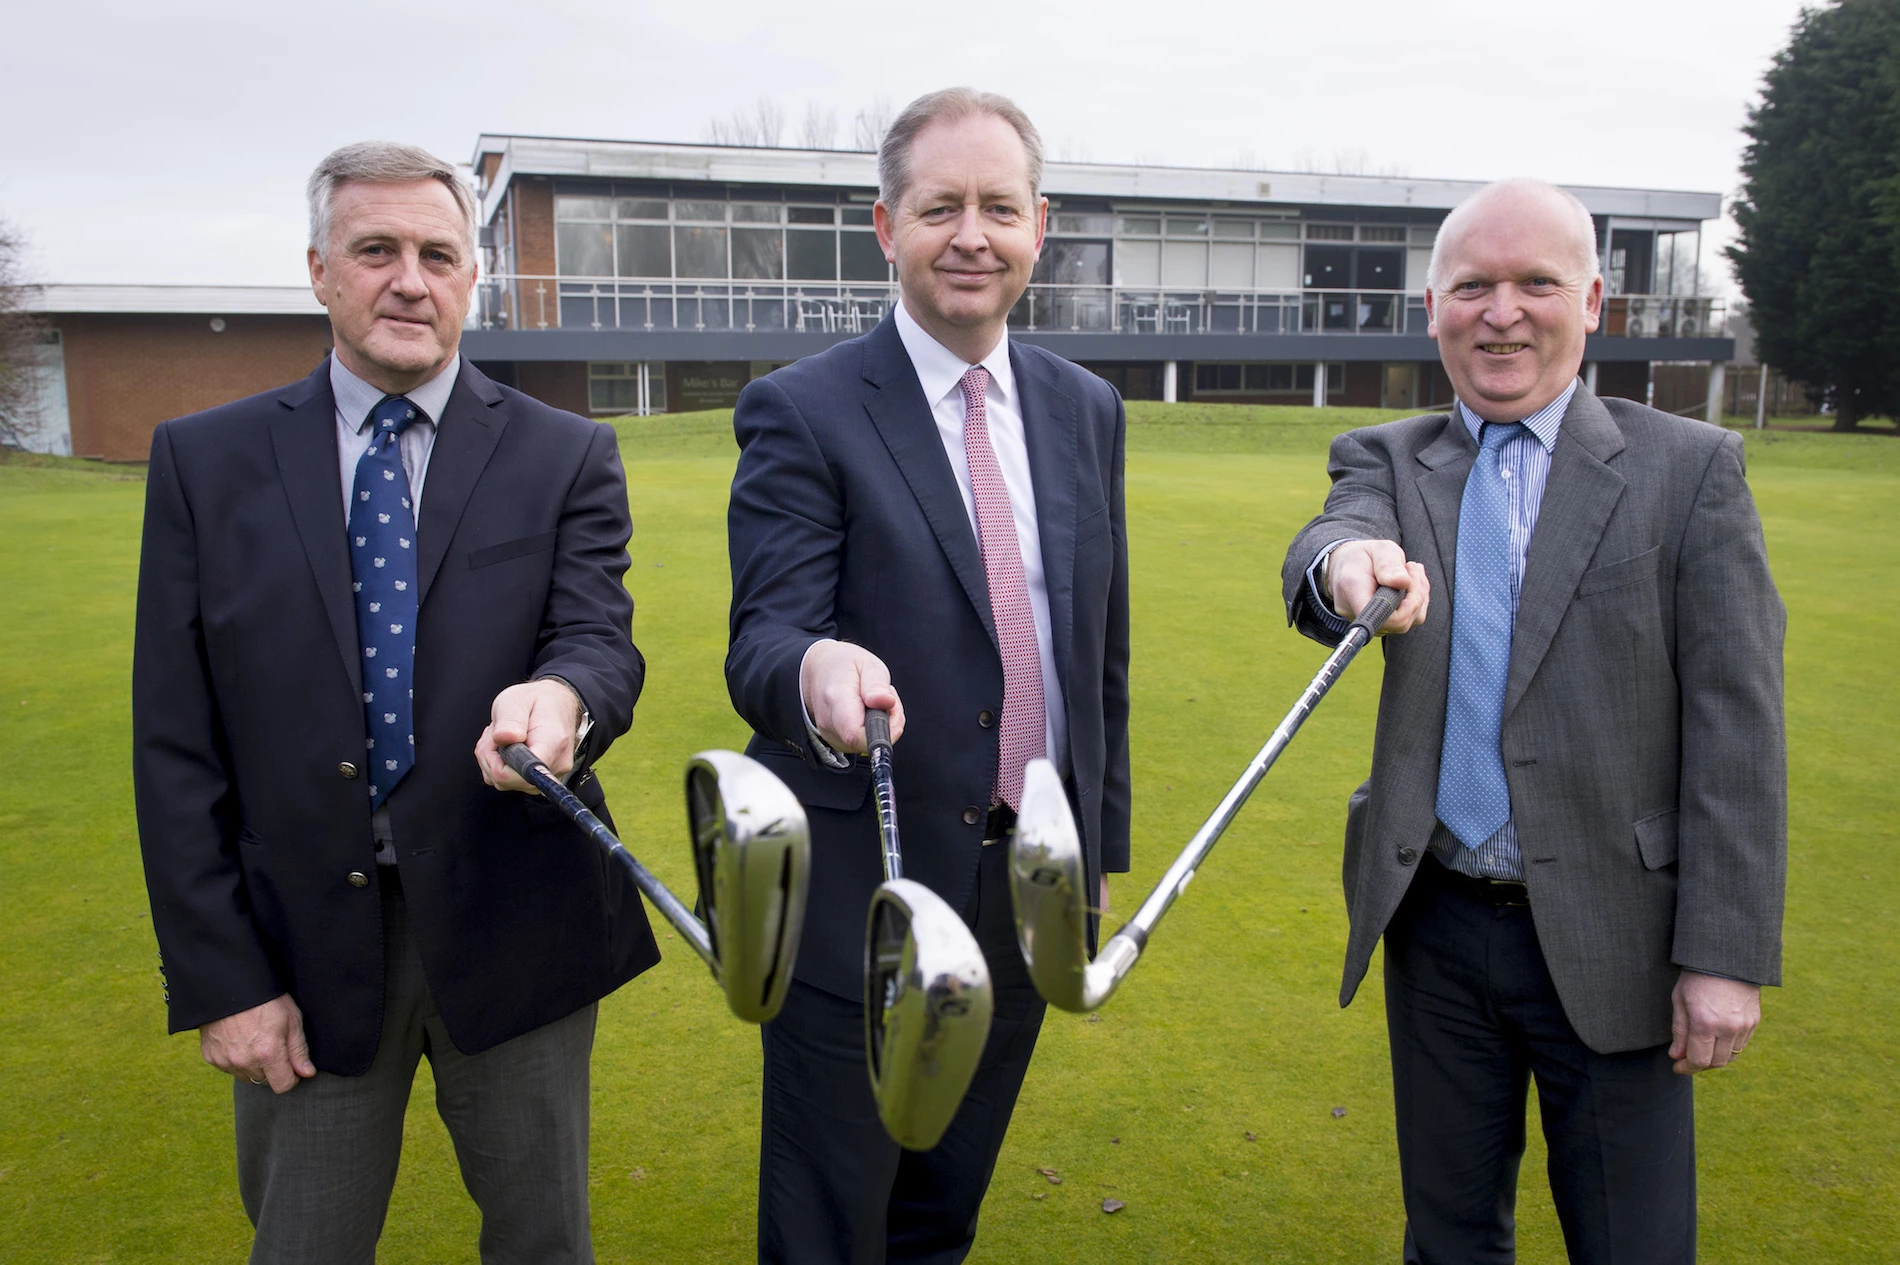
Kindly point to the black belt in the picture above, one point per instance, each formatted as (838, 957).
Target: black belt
(1487, 891)
(1002, 821)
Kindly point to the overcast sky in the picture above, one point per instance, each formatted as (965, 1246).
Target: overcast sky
(169, 142)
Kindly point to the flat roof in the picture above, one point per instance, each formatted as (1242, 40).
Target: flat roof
(195, 300)
(825, 168)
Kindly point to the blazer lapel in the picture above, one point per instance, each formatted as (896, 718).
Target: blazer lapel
(1447, 461)
(1049, 429)
(1579, 497)
(903, 420)
(303, 436)
(465, 439)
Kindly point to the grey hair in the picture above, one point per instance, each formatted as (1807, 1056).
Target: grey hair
(383, 162)
(948, 105)
(1587, 226)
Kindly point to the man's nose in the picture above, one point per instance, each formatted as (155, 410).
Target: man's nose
(970, 236)
(408, 282)
(1506, 307)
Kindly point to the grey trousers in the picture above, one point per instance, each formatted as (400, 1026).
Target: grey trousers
(316, 1165)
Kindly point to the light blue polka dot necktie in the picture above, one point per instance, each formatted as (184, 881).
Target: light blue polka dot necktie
(1474, 801)
(383, 567)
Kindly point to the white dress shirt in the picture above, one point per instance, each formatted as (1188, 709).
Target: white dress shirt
(940, 371)
(354, 400)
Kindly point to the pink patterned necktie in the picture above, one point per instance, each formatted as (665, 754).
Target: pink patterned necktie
(1024, 726)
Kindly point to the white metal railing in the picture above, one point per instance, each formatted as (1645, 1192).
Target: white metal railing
(511, 301)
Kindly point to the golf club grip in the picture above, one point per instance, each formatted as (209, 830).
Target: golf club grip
(1373, 614)
(877, 730)
(539, 776)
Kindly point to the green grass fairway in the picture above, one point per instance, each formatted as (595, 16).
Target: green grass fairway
(1203, 1096)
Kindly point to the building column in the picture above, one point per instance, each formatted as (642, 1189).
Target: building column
(1761, 396)
(1718, 387)
(1319, 385)
(1590, 377)
(1170, 373)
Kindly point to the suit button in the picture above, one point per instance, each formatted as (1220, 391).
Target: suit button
(971, 815)
(358, 879)
(986, 718)
(1407, 855)
(347, 769)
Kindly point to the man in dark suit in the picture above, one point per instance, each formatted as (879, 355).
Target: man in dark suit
(926, 519)
(352, 591)
(1574, 837)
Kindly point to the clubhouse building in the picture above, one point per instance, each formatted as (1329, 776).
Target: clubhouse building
(639, 277)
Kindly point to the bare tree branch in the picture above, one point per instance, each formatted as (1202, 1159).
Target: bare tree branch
(820, 128)
(761, 126)
(23, 334)
(869, 125)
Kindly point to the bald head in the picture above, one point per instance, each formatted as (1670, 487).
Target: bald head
(1524, 205)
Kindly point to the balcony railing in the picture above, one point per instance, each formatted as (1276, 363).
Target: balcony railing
(846, 307)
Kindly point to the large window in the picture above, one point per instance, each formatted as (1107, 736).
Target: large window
(692, 239)
(1263, 379)
(1188, 250)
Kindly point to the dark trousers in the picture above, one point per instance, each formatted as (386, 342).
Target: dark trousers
(316, 1164)
(1473, 1017)
(833, 1187)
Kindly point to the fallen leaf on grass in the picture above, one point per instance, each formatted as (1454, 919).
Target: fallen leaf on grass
(1055, 1179)
(1249, 1136)
(1112, 1205)
(1041, 1194)
(638, 1174)
(1338, 1112)
(1111, 1142)
(1093, 1019)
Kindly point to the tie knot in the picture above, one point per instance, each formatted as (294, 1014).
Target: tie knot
(974, 383)
(395, 414)
(1497, 434)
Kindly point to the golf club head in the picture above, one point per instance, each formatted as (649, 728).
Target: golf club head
(752, 855)
(927, 1008)
(1048, 885)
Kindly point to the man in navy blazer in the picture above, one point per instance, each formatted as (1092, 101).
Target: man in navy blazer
(329, 908)
(926, 519)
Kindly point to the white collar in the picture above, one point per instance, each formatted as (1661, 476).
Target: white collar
(941, 370)
(355, 398)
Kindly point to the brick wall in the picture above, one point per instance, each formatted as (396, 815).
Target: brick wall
(558, 383)
(127, 373)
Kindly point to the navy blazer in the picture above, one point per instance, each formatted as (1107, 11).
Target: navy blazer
(246, 708)
(846, 522)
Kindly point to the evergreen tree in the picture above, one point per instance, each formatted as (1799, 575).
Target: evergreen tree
(1819, 250)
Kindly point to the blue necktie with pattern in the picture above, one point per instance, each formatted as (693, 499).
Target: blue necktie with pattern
(383, 567)
(1474, 801)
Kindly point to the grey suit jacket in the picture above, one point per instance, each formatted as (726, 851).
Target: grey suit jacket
(1642, 734)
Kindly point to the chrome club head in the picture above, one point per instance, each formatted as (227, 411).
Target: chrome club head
(752, 855)
(1048, 885)
(927, 1010)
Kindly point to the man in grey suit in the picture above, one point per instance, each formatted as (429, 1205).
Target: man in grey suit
(1574, 837)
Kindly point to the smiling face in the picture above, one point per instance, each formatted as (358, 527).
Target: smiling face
(397, 280)
(966, 233)
(1513, 299)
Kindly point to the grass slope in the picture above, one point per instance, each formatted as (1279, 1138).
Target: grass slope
(116, 1140)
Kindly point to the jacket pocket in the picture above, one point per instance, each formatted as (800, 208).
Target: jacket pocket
(1616, 575)
(488, 557)
(1656, 839)
(1087, 529)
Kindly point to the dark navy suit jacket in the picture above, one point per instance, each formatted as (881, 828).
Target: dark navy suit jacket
(846, 522)
(246, 704)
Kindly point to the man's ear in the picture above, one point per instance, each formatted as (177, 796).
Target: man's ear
(1431, 313)
(317, 272)
(886, 231)
(1593, 305)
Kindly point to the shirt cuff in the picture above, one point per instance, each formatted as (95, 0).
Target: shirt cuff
(827, 754)
(1322, 607)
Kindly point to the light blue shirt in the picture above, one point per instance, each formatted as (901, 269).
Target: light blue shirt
(1524, 464)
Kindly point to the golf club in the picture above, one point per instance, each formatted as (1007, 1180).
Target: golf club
(752, 858)
(927, 1001)
(1047, 878)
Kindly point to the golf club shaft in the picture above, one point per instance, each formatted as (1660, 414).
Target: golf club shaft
(536, 774)
(1119, 955)
(877, 737)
